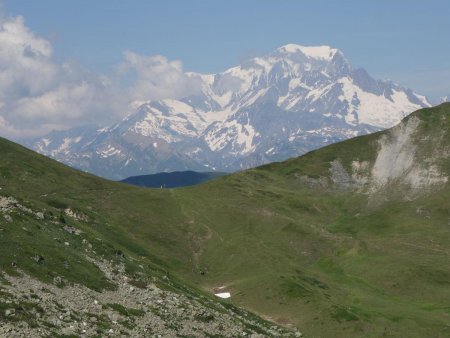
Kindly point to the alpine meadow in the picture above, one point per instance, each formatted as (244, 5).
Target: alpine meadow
(350, 240)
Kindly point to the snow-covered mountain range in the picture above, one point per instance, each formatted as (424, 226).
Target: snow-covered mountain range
(267, 109)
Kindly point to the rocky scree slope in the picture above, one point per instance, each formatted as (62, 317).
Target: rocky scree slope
(269, 108)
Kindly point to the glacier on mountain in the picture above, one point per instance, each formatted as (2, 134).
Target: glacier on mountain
(269, 108)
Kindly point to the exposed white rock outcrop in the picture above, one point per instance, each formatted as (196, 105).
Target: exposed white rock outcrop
(398, 160)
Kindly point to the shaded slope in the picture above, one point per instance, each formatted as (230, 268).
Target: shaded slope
(173, 179)
(347, 240)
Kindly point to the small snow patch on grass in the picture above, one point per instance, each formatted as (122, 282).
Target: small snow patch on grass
(223, 295)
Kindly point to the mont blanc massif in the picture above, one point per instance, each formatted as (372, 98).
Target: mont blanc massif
(267, 109)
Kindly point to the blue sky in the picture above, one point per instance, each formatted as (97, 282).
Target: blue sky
(68, 63)
(406, 41)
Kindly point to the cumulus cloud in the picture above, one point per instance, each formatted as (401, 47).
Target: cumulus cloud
(155, 77)
(38, 94)
(25, 66)
(229, 82)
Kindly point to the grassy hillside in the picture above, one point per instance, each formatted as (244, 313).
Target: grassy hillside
(351, 240)
(59, 225)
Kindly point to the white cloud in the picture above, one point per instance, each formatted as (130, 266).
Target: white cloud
(25, 60)
(155, 77)
(38, 94)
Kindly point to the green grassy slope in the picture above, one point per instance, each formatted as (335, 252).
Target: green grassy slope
(334, 259)
(139, 227)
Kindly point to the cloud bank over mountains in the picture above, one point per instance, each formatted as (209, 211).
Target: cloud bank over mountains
(39, 94)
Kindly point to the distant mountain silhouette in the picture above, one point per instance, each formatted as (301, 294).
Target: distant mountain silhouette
(172, 180)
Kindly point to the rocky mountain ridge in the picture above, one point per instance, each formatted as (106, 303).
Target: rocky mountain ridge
(269, 108)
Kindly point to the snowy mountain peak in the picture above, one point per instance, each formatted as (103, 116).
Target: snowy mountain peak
(269, 108)
(325, 53)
